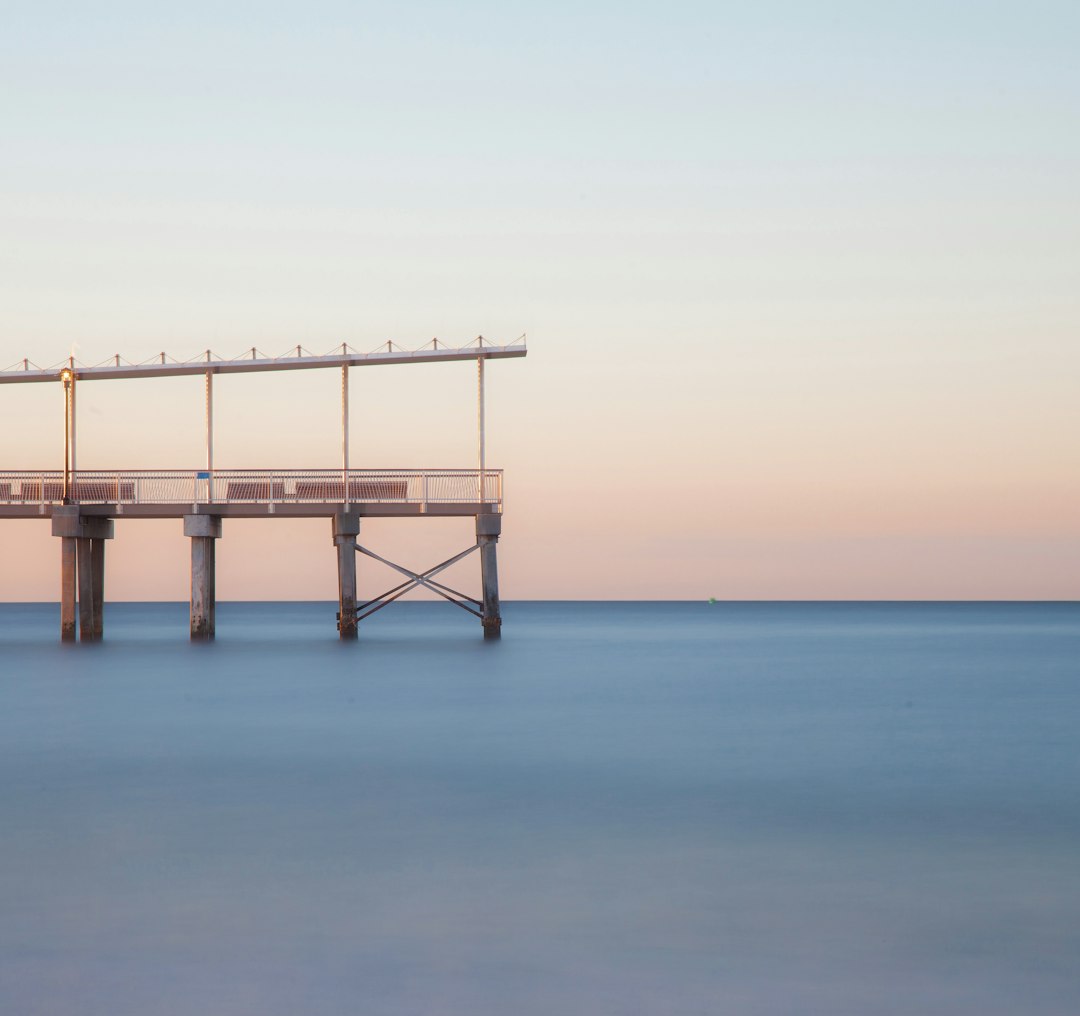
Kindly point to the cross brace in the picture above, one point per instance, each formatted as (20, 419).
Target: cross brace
(415, 579)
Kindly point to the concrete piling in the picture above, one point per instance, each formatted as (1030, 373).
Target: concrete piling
(346, 527)
(86, 589)
(97, 584)
(203, 530)
(488, 530)
(82, 572)
(68, 596)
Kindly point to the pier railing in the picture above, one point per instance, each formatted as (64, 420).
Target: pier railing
(255, 486)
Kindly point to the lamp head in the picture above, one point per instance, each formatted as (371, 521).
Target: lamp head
(66, 375)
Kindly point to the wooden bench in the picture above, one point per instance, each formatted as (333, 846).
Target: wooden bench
(34, 490)
(255, 490)
(103, 490)
(359, 490)
(85, 490)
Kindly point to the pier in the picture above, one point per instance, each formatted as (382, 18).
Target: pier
(84, 506)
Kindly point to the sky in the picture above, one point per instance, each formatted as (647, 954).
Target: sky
(799, 282)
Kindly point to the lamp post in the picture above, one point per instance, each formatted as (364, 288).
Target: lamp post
(480, 436)
(67, 376)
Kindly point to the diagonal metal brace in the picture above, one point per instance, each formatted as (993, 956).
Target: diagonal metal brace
(415, 579)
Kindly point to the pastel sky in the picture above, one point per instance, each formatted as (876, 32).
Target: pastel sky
(800, 281)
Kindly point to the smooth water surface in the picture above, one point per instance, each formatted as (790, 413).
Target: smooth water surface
(618, 809)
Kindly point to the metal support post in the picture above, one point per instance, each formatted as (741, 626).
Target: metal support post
(209, 433)
(480, 450)
(346, 527)
(488, 529)
(204, 531)
(345, 436)
(67, 378)
(74, 434)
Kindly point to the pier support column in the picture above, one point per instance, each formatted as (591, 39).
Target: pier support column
(86, 589)
(82, 572)
(346, 527)
(488, 529)
(97, 584)
(68, 596)
(204, 530)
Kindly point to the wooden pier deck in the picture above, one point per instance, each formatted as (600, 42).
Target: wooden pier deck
(253, 493)
(97, 499)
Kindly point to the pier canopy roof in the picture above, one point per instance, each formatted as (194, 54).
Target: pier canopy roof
(295, 358)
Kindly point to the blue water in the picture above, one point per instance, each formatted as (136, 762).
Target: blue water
(618, 809)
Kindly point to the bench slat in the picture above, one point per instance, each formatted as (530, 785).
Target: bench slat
(84, 490)
(255, 490)
(359, 490)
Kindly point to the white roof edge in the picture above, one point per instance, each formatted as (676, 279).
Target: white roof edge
(106, 371)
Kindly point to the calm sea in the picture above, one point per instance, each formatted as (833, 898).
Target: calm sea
(665, 808)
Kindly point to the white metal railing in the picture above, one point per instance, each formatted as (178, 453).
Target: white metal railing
(255, 486)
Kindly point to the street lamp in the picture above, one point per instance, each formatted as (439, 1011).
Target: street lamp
(67, 377)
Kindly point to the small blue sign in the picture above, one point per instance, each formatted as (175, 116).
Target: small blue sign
(202, 476)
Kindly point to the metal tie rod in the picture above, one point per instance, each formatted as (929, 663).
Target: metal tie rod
(423, 579)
